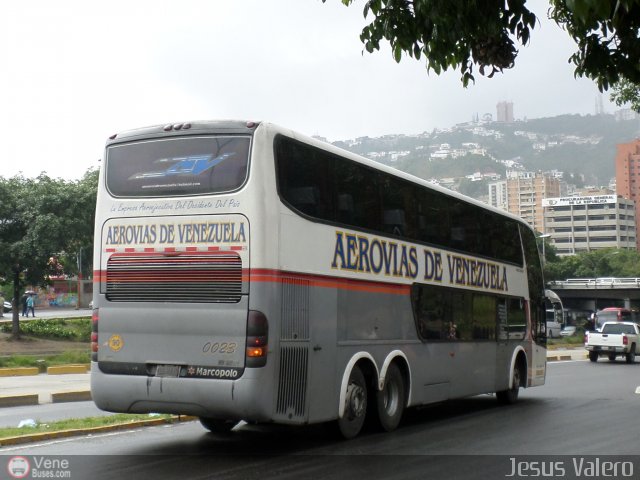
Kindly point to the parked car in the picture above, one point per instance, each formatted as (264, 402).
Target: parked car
(6, 307)
(568, 331)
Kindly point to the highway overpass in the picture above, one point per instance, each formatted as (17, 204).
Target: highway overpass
(596, 293)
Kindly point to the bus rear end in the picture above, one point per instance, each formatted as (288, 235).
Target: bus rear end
(172, 327)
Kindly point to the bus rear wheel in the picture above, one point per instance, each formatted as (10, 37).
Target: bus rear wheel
(216, 425)
(510, 396)
(355, 405)
(390, 400)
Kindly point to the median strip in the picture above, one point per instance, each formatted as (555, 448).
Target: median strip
(119, 424)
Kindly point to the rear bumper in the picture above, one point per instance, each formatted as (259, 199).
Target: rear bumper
(607, 349)
(243, 399)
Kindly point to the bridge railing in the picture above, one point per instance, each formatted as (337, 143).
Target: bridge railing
(600, 282)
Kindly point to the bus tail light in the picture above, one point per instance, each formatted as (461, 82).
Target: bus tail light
(94, 335)
(257, 339)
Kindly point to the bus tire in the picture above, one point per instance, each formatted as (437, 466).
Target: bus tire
(216, 425)
(510, 396)
(355, 408)
(390, 401)
(593, 356)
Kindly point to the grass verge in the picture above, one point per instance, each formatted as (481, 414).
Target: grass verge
(83, 424)
(44, 361)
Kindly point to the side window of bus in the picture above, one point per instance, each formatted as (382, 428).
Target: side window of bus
(449, 314)
(358, 187)
(302, 178)
(336, 189)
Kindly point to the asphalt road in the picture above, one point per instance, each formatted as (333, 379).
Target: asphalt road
(584, 411)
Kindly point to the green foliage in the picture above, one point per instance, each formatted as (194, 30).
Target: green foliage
(40, 361)
(450, 33)
(608, 262)
(624, 92)
(84, 423)
(57, 329)
(463, 34)
(606, 33)
(44, 224)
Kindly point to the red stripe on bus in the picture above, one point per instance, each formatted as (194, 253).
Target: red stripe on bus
(279, 276)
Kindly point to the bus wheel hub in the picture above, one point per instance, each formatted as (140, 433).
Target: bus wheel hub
(355, 401)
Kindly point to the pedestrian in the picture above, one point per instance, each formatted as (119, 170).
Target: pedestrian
(30, 306)
(23, 300)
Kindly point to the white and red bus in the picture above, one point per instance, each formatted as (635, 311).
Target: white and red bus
(247, 272)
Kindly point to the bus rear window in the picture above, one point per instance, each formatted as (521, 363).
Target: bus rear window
(178, 166)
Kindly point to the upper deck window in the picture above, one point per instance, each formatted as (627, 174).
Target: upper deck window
(178, 166)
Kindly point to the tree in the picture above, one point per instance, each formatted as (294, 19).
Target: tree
(464, 33)
(43, 222)
(608, 262)
(625, 92)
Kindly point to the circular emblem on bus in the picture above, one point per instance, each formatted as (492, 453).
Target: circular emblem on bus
(116, 342)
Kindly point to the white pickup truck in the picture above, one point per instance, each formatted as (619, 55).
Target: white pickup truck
(615, 338)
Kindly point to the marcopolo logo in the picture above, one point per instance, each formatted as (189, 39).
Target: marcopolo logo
(18, 467)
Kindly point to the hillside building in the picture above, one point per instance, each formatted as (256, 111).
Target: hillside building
(628, 171)
(505, 111)
(525, 192)
(498, 194)
(587, 223)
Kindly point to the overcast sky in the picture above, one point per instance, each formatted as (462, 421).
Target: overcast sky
(75, 72)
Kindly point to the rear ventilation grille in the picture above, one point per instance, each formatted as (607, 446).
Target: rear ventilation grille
(295, 309)
(179, 277)
(292, 387)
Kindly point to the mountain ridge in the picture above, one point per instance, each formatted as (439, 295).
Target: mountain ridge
(583, 147)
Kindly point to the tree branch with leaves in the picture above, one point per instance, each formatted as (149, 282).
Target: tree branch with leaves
(466, 34)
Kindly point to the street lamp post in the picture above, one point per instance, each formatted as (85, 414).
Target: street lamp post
(544, 257)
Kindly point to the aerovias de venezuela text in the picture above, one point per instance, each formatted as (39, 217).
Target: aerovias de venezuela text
(359, 253)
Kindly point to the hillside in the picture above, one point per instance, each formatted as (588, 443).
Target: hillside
(582, 147)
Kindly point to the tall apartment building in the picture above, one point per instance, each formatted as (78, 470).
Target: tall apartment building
(628, 171)
(583, 224)
(505, 111)
(498, 194)
(525, 192)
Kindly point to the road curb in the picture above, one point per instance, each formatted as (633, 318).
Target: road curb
(38, 437)
(19, 371)
(563, 358)
(79, 396)
(19, 400)
(67, 369)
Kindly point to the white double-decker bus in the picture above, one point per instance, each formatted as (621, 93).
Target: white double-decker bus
(247, 272)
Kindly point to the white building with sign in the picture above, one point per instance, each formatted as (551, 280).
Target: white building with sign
(583, 224)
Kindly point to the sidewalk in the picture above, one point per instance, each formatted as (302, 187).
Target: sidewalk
(51, 312)
(43, 388)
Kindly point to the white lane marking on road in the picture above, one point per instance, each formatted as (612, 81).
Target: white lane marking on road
(638, 390)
